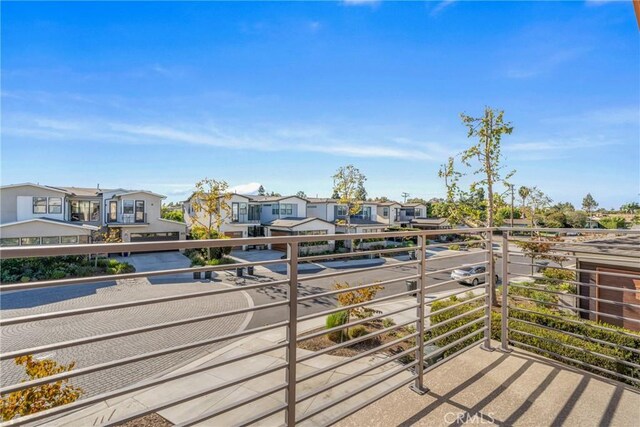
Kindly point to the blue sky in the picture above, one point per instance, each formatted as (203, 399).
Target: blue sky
(159, 95)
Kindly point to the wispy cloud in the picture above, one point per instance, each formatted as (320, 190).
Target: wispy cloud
(538, 62)
(441, 6)
(361, 2)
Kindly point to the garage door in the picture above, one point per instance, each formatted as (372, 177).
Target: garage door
(279, 246)
(154, 237)
(234, 235)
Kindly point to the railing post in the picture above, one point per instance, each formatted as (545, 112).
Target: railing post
(292, 332)
(418, 385)
(504, 332)
(489, 286)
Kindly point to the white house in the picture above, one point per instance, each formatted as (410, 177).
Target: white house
(34, 214)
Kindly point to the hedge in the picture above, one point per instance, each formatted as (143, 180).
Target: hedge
(59, 267)
(436, 330)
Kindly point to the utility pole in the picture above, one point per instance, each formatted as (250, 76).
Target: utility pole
(405, 195)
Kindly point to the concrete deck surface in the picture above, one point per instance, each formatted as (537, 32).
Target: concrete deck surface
(516, 389)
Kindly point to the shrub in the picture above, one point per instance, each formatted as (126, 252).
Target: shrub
(337, 319)
(58, 274)
(454, 247)
(357, 331)
(388, 322)
(52, 268)
(436, 330)
(220, 261)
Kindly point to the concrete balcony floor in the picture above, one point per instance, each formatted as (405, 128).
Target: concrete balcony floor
(515, 389)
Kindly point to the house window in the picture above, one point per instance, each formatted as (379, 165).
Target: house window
(385, 212)
(69, 240)
(418, 212)
(139, 211)
(85, 210)
(10, 241)
(243, 208)
(39, 205)
(55, 205)
(286, 209)
(30, 241)
(275, 210)
(51, 240)
(234, 212)
(83, 239)
(113, 211)
(127, 207)
(341, 210)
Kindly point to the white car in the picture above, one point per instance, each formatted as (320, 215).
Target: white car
(470, 274)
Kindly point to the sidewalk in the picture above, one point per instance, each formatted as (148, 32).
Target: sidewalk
(176, 389)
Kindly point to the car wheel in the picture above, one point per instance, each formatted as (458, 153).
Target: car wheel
(475, 282)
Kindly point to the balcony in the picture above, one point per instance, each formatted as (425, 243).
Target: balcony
(129, 220)
(559, 346)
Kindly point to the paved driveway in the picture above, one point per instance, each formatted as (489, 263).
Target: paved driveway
(160, 261)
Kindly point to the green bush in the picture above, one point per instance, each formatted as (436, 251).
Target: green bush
(52, 268)
(454, 247)
(388, 322)
(357, 331)
(220, 261)
(58, 274)
(436, 330)
(337, 319)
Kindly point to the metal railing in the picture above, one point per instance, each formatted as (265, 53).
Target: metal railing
(596, 332)
(445, 322)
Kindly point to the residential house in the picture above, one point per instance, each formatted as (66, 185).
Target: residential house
(34, 214)
(388, 213)
(411, 211)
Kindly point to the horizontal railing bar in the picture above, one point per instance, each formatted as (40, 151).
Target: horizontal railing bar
(457, 317)
(121, 305)
(49, 413)
(306, 337)
(262, 415)
(579, 336)
(568, 230)
(176, 401)
(582, 297)
(452, 355)
(448, 296)
(358, 253)
(357, 270)
(128, 332)
(231, 406)
(587, 244)
(140, 274)
(354, 358)
(556, 253)
(582, 270)
(463, 253)
(353, 341)
(453, 331)
(369, 401)
(131, 359)
(570, 360)
(356, 374)
(458, 341)
(465, 242)
(584, 350)
(347, 307)
(359, 390)
(577, 322)
(448, 282)
(583, 310)
(448, 269)
(456, 305)
(353, 288)
(573, 282)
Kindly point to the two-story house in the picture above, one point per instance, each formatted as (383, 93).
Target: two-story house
(34, 214)
(388, 213)
(331, 210)
(254, 216)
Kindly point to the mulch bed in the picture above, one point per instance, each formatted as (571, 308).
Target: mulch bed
(151, 420)
(321, 342)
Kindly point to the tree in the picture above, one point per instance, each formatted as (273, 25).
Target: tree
(589, 204)
(538, 200)
(261, 191)
(576, 219)
(630, 208)
(613, 222)
(211, 198)
(348, 186)
(489, 130)
(301, 194)
(274, 194)
(382, 199)
(357, 296)
(173, 215)
(555, 219)
(449, 208)
(564, 207)
(540, 248)
(523, 192)
(39, 398)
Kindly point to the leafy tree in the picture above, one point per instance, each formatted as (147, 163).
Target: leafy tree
(523, 192)
(503, 215)
(173, 215)
(357, 296)
(613, 222)
(274, 194)
(589, 204)
(538, 200)
(382, 199)
(39, 398)
(301, 194)
(261, 191)
(555, 219)
(576, 219)
(540, 248)
(630, 208)
(449, 208)
(211, 198)
(564, 207)
(348, 186)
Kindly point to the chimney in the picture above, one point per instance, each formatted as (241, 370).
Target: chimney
(98, 186)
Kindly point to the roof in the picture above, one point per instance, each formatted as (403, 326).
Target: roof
(51, 221)
(84, 191)
(321, 200)
(429, 221)
(272, 198)
(625, 246)
(292, 222)
(30, 184)
(412, 205)
(390, 203)
(358, 222)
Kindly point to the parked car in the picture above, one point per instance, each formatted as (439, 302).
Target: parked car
(464, 275)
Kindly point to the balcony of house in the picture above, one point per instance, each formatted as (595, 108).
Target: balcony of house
(519, 328)
(128, 220)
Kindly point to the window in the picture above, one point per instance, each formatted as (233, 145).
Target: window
(139, 211)
(69, 240)
(10, 241)
(385, 212)
(85, 210)
(30, 241)
(286, 209)
(234, 212)
(55, 205)
(95, 211)
(341, 210)
(113, 211)
(51, 240)
(275, 210)
(243, 208)
(127, 207)
(39, 205)
(83, 239)
(418, 212)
